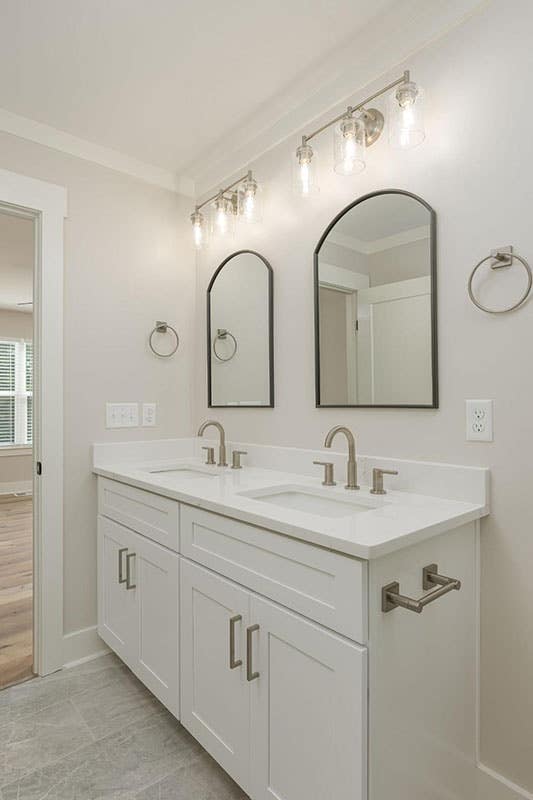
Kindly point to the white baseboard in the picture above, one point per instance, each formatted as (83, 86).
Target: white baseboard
(517, 791)
(22, 487)
(82, 645)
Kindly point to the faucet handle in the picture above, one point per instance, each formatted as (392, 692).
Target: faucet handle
(377, 479)
(236, 458)
(210, 455)
(328, 472)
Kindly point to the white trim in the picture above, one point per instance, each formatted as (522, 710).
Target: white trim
(378, 245)
(47, 203)
(16, 487)
(83, 645)
(88, 151)
(513, 787)
(7, 450)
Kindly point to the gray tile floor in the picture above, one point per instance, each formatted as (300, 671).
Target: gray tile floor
(95, 733)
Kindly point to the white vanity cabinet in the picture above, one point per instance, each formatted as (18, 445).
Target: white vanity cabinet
(138, 588)
(280, 656)
(279, 701)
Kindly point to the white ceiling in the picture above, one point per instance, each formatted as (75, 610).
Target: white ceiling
(16, 262)
(165, 81)
(381, 217)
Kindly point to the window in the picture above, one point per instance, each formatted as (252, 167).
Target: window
(16, 393)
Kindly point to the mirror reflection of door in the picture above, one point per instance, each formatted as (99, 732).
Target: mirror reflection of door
(240, 354)
(375, 270)
(16, 460)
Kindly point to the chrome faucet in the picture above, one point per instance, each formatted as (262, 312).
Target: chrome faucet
(351, 467)
(222, 443)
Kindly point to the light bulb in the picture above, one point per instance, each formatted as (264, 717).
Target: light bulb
(199, 230)
(249, 200)
(304, 180)
(406, 119)
(223, 220)
(349, 146)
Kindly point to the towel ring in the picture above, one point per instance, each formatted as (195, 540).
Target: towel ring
(222, 333)
(163, 327)
(505, 256)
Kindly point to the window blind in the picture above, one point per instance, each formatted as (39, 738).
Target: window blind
(16, 392)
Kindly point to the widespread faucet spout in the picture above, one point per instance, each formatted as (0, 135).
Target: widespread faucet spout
(351, 467)
(222, 439)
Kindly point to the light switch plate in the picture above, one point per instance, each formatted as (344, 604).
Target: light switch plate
(479, 420)
(149, 415)
(122, 415)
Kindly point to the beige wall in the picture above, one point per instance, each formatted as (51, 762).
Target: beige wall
(127, 263)
(15, 324)
(475, 171)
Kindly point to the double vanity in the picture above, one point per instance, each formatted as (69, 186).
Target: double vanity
(318, 641)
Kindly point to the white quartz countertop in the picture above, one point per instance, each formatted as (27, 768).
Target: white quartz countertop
(393, 521)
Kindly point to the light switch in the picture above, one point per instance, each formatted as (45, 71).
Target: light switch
(122, 415)
(149, 414)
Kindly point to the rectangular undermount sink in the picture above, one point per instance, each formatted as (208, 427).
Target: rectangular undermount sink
(321, 502)
(184, 471)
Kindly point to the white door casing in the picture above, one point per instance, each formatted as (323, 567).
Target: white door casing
(47, 203)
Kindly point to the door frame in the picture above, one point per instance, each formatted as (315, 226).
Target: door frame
(46, 203)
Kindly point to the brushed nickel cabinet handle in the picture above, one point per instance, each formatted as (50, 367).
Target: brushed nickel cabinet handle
(250, 674)
(121, 578)
(233, 662)
(129, 584)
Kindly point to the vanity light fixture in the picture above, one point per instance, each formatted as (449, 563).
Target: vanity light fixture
(358, 128)
(238, 201)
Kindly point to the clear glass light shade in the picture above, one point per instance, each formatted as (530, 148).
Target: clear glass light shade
(304, 175)
(406, 118)
(199, 230)
(349, 146)
(250, 201)
(223, 217)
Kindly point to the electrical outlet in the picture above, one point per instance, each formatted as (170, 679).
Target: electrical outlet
(149, 415)
(122, 415)
(479, 420)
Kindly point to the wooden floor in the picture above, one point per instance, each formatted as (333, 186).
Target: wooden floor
(16, 552)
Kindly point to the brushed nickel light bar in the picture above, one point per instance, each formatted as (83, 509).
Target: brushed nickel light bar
(239, 198)
(355, 132)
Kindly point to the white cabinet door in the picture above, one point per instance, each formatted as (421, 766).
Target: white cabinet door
(308, 710)
(155, 572)
(117, 606)
(215, 703)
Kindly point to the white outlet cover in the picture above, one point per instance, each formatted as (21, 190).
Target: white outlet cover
(149, 415)
(479, 420)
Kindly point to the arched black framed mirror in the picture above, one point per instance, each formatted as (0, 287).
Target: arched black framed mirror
(376, 305)
(240, 336)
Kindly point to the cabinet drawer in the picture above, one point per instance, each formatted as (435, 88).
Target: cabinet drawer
(325, 586)
(150, 514)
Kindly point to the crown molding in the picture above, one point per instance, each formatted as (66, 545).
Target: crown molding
(379, 245)
(51, 137)
(338, 81)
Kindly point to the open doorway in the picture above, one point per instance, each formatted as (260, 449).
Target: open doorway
(17, 262)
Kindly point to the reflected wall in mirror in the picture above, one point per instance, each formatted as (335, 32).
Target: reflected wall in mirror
(240, 369)
(376, 305)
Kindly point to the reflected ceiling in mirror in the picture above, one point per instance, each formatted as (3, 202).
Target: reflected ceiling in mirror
(240, 333)
(375, 305)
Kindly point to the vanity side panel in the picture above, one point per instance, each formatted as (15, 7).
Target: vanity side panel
(422, 675)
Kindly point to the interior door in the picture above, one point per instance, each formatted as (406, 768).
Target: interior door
(155, 572)
(117, 606)
(308, 710)
(394, 343)
(215, 704)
